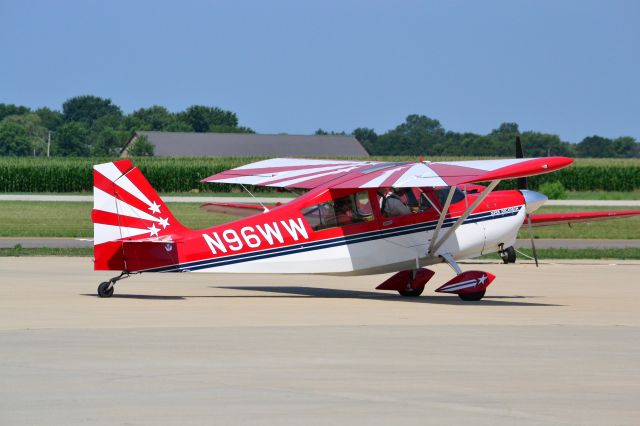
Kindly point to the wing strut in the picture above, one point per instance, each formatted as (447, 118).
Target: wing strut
(443, 213)
(462, 218)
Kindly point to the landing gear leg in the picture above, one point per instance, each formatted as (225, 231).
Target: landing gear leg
(409, 290)
(105, 289)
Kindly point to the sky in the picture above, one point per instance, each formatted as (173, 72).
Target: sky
(566, 67)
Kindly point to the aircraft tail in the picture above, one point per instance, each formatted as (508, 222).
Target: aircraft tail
(127, 210)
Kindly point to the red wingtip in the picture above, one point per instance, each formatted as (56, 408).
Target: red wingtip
(531, 167)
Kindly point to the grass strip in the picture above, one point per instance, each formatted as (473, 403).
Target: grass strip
(19, 251)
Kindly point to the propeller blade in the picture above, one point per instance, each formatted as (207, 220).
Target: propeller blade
(521, 182)
(519, 152)
(533, 245)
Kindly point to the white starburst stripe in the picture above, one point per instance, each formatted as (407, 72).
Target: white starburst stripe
(294, 162)
(292, 174)
(246, 180)
(377, 181)
(124, 183)
(413, 172)
(108, 170)
(420, 175)
(108, 203)
(486, 164)
(334, 171)
(104, 233)
(111, 172)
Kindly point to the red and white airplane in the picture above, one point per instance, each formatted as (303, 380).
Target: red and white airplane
(354, 218)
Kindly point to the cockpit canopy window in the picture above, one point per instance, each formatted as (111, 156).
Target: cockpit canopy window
(458, 195)
(402, 201)
(354, 208)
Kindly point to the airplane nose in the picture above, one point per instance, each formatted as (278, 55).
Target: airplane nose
(533, 200)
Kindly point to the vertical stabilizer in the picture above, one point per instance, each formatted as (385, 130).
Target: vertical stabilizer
(126, 208)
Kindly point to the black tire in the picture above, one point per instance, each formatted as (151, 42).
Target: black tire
(414, 292)
(508, 255)
(104, 290)
(472, 297)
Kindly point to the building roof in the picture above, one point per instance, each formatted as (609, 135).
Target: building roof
(180, 144)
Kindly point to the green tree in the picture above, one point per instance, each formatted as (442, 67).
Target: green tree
(624, 147)
(110, 121)
(153, 118)
(201, 117)
(536, 144)
(230, 129)
(14, 139)
(506, 131)
(108, 142)
(321, 132)
(141, 147)
(50, 119)
(11, 109)
(418, 135)
(88, 109)
(35, 131)
(72, 140)
(595, 147)
(179, 126)
(367, 137)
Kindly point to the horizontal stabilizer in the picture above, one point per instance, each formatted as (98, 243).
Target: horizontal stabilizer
(547, 219)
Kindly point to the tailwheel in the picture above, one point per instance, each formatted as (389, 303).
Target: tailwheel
(414, 292)
(472, 297)
(105, 289)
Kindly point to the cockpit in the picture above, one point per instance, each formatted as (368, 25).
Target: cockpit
(357, 208)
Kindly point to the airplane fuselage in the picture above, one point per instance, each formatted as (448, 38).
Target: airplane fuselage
(287, 239)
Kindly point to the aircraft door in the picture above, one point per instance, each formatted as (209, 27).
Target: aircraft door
(404, 217)
(470, 237)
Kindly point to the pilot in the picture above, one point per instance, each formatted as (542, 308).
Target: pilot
(344, 211)
(408, 197)
(392, 204)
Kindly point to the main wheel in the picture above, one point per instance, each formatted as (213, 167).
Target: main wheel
(414, 292)
(104, 290)
(472, 297)
(508, 255)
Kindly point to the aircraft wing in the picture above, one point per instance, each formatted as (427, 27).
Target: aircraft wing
(546, 219)
(309, 174)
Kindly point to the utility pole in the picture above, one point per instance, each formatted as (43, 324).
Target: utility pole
(48, 143)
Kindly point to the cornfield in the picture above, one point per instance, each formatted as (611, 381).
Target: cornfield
(184, 174)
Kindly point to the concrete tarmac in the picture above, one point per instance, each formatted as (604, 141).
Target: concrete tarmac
(555, 345)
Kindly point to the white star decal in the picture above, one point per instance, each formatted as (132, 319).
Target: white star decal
(482, 279)
(164, 223)
(153, 231)
(154, 207)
